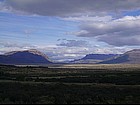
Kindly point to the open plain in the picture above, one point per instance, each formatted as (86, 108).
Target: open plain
(70, 84)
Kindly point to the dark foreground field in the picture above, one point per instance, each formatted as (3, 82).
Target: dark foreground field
(102, 84)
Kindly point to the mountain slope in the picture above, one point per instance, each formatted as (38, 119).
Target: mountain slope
(130, 57)
(24, 57)
(94, 58)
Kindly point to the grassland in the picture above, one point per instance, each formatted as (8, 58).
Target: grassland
(70, 84)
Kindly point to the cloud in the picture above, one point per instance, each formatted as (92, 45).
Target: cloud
(118, 32)
(85, 19)
(8, 47)
(4, 7)
(73, 43)
(71, 7)
(71, 53)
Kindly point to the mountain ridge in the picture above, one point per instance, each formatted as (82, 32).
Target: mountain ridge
(32, 56)
(129, 57)
(94, 58)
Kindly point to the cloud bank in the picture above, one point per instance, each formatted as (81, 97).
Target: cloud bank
(118, 32)
(71, 7)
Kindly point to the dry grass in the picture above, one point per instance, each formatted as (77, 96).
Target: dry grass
(99, 66)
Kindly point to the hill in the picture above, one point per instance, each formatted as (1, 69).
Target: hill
(94, 58)
(24, 57)
(130, 57)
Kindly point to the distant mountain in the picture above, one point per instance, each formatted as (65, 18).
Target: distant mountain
(94, 58)
(24, 57)
(130, 57)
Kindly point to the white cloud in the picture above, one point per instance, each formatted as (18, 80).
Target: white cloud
(85, 19)
(118, 32)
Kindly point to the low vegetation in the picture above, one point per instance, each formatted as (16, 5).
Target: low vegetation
(61, 85)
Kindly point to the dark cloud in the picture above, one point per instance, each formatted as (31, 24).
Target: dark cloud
(120, 40)
(71, 7)
(73, 43)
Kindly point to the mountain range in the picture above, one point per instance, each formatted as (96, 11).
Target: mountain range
(35, 57)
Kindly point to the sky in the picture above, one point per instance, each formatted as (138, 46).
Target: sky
(69, 29)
